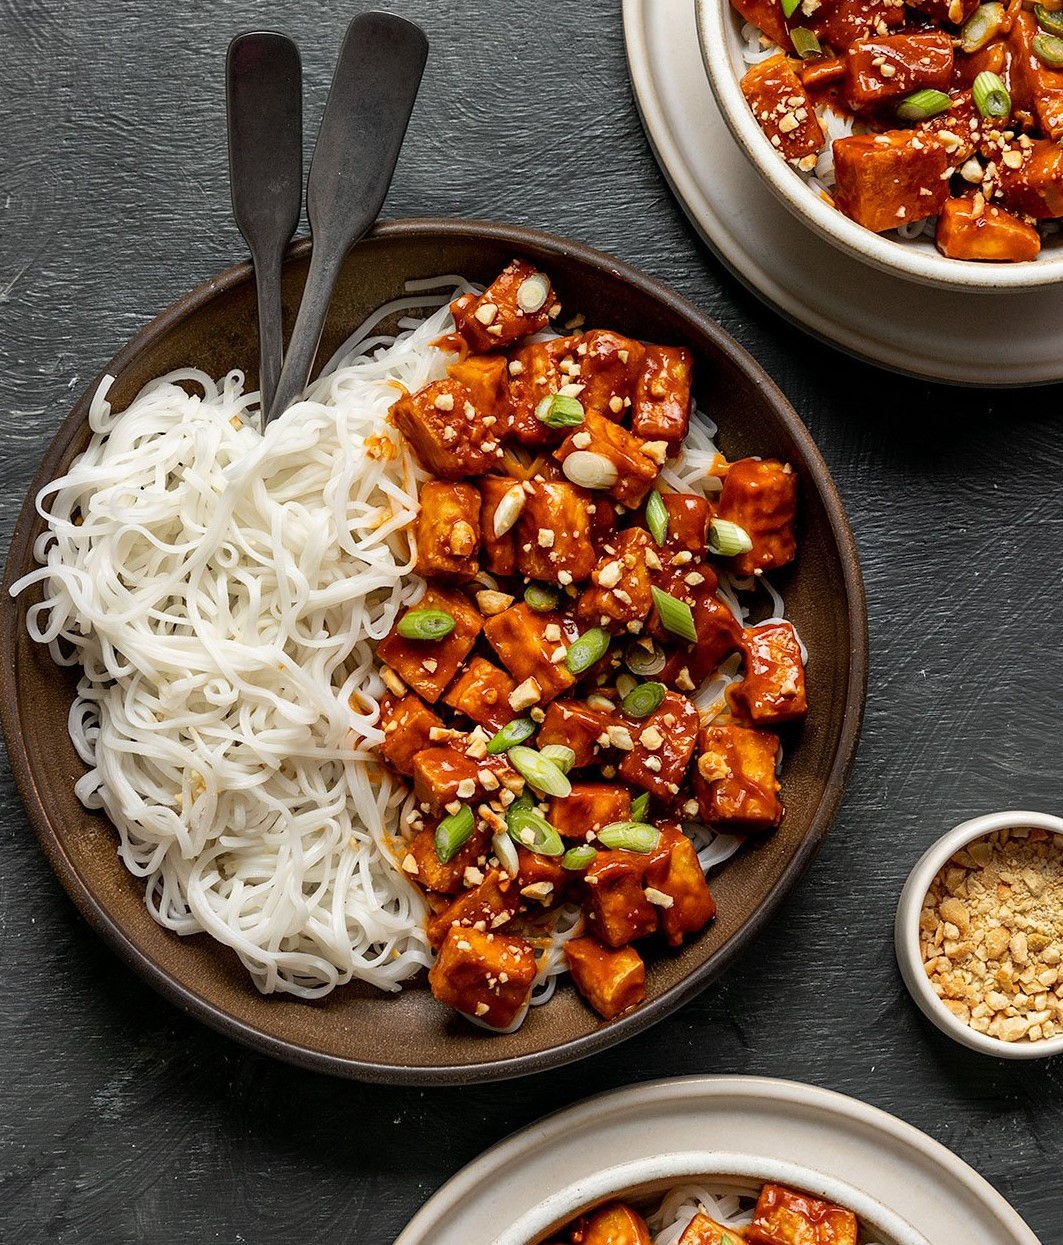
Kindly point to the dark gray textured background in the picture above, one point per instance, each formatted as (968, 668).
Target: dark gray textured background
(121, 1120)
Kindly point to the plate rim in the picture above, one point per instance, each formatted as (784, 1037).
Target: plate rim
(574, 1049)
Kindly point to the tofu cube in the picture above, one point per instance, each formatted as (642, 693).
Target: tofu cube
(785, 1217)
(890, 66)
(576, 726)
(970, 230)
(767, 15)
(688, 523)
(424, 867)
(615, 1224)
(429, 665)
(616, 903)
(675, 873)
(486, 376)
(735, 778)
(636, 470)
(500, 556)
(780, 103)
(488, 976)
(519, 637)
(760, 495)
(890, 179)
(448, 530)
(620, 583)
(407, 724)
(613, 981)
(839, 24)
(664, 744)
(773, 690)
(443, 774)
(660, 408)
(445, 430)
(719, 632)
(955, 12)
(589, 808)
(553, 533)
(954, 129)
(543, 879)
(482, 692)
(1036, 186)
(517, 303)
(488, 906)
(535, 372)
(609, 366)
(1035, 86)
(702, 1230)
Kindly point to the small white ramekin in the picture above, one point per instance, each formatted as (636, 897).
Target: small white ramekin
(906, 934)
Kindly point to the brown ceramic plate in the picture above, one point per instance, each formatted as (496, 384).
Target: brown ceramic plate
(409, 1038)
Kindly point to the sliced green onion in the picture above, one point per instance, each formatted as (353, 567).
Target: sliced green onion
(630, 836)
(579, 857)
(921, 105)
(789, 7)
(520, 805)
(1047, 20)
(425, 625)
(676, 616)
(515, 732)
(454, 832)
(502, 845)
(642, 660)
(540, 771)
(560, 411)
(657, 517)
(640, 806)
(592, 646)
(1048, 49)
(805, 42)
(984, 24)
(728, 539)
(564, 758)
(645, 698)
(991, 96)
(530, 829)
(541, 598)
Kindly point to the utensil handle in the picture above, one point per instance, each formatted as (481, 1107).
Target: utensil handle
(370, 101)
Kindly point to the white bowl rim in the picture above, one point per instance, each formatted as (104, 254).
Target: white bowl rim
(612, 1183)
(906, 932)
(926, 266)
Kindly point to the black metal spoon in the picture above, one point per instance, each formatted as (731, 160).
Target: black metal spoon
(264, 94)
(369, 105)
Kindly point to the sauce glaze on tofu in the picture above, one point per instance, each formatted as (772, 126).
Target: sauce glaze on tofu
(956, 110)
(543, 692)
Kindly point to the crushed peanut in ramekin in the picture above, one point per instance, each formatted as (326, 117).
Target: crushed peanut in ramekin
(991, 934)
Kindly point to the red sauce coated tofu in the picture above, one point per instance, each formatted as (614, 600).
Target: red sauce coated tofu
(889, 66)
(688, 523)
(543, 879)
(664, 744)
(760, 495)
(955, 12)
(636, 469)
(660, 409)
(702, 1230)
(953, 128)
(488, 976)
(553, 533)
(407, 725)
(615, 902)
(447, 433)
(616, 1224)
(535, 373)
(768, 16)
(620, 591)
(735, 778)
(675, 874)
(784, 1217)
(429, 665)
(482, 693)
(612, 980)
(487, 379)
(1034, 85)
(773, 690)
(719, 632)
(1036, 186)
(890, 179)
(590, 807)
(527, 642)
(489, 906)
(500, 556)
(782, 107)
(576, 726)
(840, 22)
(443, 774)
(424, 866)
(448, 530)
(967, 230)
(609, 368)
(517, 303)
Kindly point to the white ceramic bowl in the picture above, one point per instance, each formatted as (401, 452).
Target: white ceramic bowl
(906, 934)
(719, 29)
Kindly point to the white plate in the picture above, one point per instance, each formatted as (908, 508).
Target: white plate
(893, 1163)
(973, 338)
